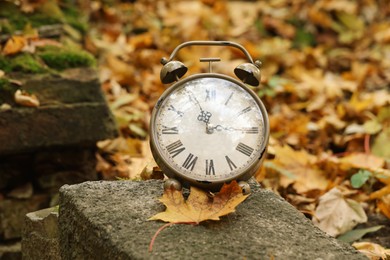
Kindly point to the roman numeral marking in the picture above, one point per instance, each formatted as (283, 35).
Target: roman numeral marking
(243, 148)
(245, 110)
(230, 163)
(170, 130)
(210, 167)
(228, 99)
(251, 130)
(175, 148)
(190, 161)
(211, 95)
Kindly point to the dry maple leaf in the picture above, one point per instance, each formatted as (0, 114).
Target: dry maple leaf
(199, 206)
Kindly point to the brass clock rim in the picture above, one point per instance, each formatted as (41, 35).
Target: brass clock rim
(212, 185)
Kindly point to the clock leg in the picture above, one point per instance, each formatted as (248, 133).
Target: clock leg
(172, 184)
(246, 189)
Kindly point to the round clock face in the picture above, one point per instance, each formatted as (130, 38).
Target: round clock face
(209, 128)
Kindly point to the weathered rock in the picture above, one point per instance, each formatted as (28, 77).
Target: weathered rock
(65, 166)
(13, 170)
(108, 220)
(40, 235)
(10, 251)
(12, 212)
(73, 111)
(50, 126)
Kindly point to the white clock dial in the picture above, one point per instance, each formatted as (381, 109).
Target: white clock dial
(209, 129)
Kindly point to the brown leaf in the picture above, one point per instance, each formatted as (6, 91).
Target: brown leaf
(199, 206)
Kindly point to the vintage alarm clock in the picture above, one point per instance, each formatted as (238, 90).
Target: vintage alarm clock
(209, 129)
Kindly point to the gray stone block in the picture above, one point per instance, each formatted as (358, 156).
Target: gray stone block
(51, 126)
(40, 235)
(72, 111)
(108, 220)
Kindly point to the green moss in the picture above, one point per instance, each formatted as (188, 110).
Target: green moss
(60, 59)
(47, 14)
(75, 19)
(7, 91)
(26, 63)
(3, 83)
(5, 64)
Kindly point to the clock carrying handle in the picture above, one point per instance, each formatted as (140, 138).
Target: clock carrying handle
(172, 71)
(211, 43)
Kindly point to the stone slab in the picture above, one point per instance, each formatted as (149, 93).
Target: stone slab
(12, 212)
(28, 130)
(40, 235)
(70, 87)
(108, 220)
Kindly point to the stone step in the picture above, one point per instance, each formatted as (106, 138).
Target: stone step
(108, 220)
(27, 130)
(73, 112)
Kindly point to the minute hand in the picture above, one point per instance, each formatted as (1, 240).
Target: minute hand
(240, 129)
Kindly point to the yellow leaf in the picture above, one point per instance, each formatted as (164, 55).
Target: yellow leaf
(336, 215)
(362, 161)
(14, 45)
(199, 206)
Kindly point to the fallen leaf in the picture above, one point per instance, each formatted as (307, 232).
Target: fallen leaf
(14, 45)
(298, 168)
(360, 178)
(378, 147)
(24, 99)
(336, 214)
(384, 205)
(380, 193)
(356, 234)
(199, 206)
(362, 161)
(372, 250)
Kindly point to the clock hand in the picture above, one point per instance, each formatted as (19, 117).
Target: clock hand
(204, 116)
(210, 129)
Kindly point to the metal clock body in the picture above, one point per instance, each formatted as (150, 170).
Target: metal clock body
(209, 129)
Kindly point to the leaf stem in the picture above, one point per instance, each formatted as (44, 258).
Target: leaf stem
(164, 227)
(367, 144)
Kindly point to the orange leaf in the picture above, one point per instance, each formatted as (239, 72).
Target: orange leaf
(380, 193)
(384, 205)
(199, 206)
(14, 45)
